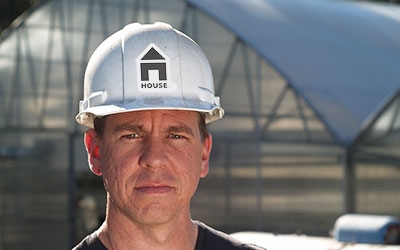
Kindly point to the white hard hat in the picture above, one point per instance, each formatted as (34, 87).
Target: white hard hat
(146, 67)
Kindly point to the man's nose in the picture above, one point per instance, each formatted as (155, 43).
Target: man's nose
(153, 154)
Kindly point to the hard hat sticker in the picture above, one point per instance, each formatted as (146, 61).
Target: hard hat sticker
(153, 70)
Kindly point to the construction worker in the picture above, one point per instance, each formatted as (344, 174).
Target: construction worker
(148, 94)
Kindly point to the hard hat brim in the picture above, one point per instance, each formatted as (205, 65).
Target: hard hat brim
(86, 117)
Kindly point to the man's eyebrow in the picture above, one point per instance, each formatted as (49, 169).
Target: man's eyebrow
(128, 127)
(139, 128)
(180, 129)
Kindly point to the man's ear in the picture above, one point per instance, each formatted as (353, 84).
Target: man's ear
(93, 151)
(206, 151)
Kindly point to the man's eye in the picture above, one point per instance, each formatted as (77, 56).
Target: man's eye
(175, 136)
(131, 136)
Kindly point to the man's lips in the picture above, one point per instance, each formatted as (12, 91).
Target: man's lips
(154, 189)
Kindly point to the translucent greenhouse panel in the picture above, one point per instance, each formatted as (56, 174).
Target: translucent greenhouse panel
(34, 191)
(378, 187)
(6, 99)
(232, 181)
(40, 17)
(168, 11)
(214, 39)
(267, 186)
(378, 164)
(386, 129)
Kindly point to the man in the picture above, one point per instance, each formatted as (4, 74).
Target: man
(147, 98)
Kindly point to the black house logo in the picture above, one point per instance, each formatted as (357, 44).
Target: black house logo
(153, 70)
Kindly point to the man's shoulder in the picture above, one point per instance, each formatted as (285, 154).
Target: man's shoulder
(210, 238)
(91, 242)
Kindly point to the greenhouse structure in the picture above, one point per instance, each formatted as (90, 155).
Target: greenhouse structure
(311, 90)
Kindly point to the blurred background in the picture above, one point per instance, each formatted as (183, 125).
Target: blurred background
(311, 91)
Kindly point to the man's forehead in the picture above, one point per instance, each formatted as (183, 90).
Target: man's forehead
(140, 118)
(156, 112)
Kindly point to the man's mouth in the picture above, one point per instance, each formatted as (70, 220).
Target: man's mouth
(154, 189)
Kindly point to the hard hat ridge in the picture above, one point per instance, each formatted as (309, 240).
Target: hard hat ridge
(146, 67)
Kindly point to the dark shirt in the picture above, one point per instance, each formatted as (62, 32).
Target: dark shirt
(207, 239)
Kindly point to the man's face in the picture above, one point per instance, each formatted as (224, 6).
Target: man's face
(151, 163)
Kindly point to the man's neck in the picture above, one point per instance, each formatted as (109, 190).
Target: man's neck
(117, 235)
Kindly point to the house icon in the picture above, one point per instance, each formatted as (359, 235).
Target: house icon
(153, 66)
